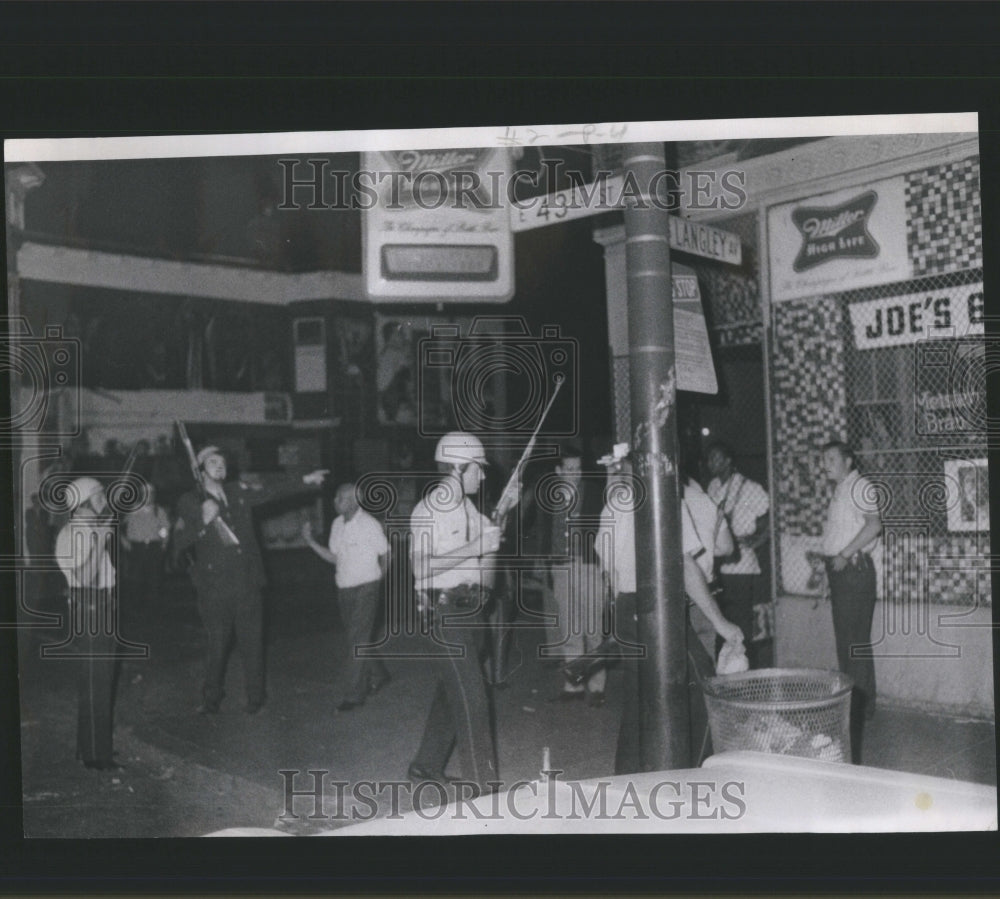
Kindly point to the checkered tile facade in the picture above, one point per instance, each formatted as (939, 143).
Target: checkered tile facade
(808, 406)
(959, 570)
(816, 376)
(944, 218)
(732, 293)
(740, 335)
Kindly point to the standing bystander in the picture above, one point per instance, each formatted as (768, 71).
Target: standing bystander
(574, 580)
(616, 548)
(746, 507)
(358, 548)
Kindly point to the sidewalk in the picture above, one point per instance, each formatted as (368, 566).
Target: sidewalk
(190, 774)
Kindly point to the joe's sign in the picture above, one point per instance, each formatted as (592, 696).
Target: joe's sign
(936, 314)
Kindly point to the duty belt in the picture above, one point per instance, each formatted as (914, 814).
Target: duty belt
(859, 558)
(464, 596)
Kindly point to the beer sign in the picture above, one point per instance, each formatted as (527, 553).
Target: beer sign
(839, 241)
(436, 225)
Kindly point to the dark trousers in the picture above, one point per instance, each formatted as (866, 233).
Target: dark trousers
(224, 611)
(460, 716)
(852, 601)
(739, 593)
(628, 758)
(358, 610)
(94, 643)
(503, 611)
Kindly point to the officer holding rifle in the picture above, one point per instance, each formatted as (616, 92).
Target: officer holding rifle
(227, 572)
(452, 552)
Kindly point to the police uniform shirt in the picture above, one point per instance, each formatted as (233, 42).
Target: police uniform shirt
(852, 499)
(440, 524)
(73, 545)
(358, 544)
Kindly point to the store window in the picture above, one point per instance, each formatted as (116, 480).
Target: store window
(916, 412)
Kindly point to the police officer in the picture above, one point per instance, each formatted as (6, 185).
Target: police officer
(452, 552)
(852, 531)
(228, 573)
(82, 553)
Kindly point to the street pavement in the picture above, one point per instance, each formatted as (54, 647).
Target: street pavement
(188, 774)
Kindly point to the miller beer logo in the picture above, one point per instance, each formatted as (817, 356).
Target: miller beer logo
(837, 232)
(433, 178)
(437, 160)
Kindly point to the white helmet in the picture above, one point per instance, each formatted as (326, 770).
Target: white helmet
(81, 490)
(458, 447)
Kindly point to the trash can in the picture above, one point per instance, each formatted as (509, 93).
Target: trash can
(786, 711)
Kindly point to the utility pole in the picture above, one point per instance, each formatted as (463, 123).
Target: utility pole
(664, 706)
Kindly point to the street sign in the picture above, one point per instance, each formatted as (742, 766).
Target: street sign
(605, 195)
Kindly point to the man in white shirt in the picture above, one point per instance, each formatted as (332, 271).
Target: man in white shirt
(747, 508)
(852, 530)
(615, 546)
(358, 548)
(705, 518)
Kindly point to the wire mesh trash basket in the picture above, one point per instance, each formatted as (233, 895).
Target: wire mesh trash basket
(788, 711)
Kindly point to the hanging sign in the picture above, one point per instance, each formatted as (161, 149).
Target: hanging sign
(692, 351)
(436, 226)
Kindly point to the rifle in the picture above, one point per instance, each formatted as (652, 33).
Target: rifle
(509, 496)
(225, 532)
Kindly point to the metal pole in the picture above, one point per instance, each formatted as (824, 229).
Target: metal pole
(664, 713)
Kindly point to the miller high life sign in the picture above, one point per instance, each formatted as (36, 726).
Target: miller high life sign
(844, 240)
(837, 232)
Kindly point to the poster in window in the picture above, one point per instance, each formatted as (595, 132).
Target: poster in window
(354, 339)
(967, 482)
(408, 395)
(396, 371)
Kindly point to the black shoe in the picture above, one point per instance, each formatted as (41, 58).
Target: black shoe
(104, 766)
(253, 706)
(348, 704)
(377, 684)
(419, 774)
